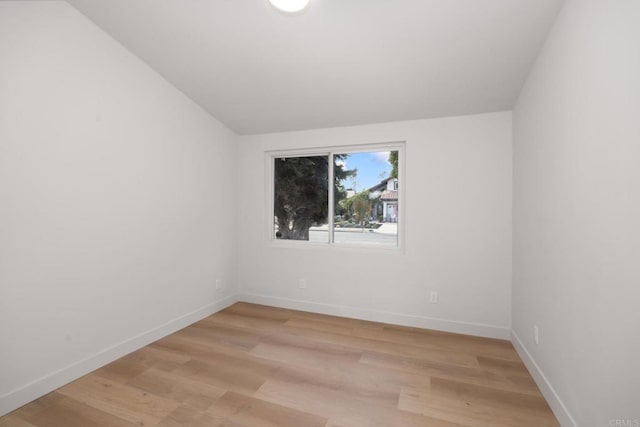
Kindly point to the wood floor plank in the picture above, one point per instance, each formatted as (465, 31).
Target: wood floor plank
(222, 335)
(70, 412)
(123, 369)
(198, 349)
(502, 366)
(469, 413)
(376, 390)
(259, 413)
(14, 420)
(260, 311)
(438, 341)
(171, 385)
(135, 363)
(342, 407)
(297, 322)
(158, 358)
(128, 403)
(253, 365)
(504, 380)
(254, 323)
(219, 372)
(337, 320)
(510, 400)
(364, 344)
(300, 351)
(187, 417)
(40, 404)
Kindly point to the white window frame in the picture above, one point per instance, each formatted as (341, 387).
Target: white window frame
(330, 152)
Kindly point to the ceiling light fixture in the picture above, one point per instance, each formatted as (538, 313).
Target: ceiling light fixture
(289, 6)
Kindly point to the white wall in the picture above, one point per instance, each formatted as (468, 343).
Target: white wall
(577, 214)
(113, 225)
(458, 240)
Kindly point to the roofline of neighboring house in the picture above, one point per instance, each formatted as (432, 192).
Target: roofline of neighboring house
(380, 185)
(389, 196)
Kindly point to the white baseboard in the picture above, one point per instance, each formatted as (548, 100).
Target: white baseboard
(557, 406)
(35, 389)
(454, 326)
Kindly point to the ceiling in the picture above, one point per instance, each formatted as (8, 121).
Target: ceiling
(340, 62)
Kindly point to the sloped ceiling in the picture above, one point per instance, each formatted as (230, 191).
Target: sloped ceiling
(340, 62)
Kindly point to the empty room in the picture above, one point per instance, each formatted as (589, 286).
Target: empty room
(332, 213)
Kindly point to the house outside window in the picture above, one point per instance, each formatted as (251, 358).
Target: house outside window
(387, 203)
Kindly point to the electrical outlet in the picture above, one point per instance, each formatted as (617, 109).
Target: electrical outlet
(433, 298)
(218, 284)
(302, 283)
(536, 334)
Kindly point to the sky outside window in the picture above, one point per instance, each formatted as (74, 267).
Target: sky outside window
(372, 168)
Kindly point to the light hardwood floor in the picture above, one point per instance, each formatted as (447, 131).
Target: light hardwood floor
(252, 365)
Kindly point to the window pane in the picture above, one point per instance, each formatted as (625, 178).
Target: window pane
(301, 198)
(366, 191)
